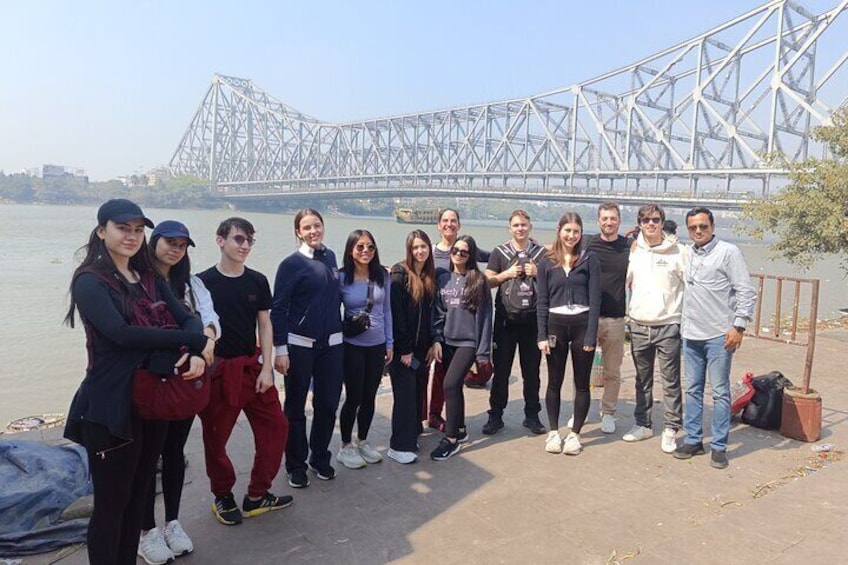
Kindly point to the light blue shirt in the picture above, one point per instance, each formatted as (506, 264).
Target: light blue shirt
(354, 299)
(719, 293)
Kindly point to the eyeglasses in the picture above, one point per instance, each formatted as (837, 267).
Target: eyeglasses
(460, 252)
(699, 227)
(241, 240)
(365, 247)
(654, 220)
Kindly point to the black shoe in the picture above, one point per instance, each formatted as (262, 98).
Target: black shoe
(718, 459)
(265, 504)
(688, 450)
(436, 422)
(226, 510)
(298, 479)
(494, 424)
(445, 450)
(462, 435)
(534, 425)
(323, 472)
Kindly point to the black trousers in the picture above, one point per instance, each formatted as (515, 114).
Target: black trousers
(173, 474)
(363, 370)
(458, 361)
(409, 391)
(121, 480)
(570, 332)
(508, 337)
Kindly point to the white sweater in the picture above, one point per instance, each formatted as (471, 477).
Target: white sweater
(656, 277)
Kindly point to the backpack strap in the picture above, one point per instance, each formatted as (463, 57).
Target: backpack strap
(369, 301)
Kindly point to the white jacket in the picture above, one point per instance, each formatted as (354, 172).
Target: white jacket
(655, 278)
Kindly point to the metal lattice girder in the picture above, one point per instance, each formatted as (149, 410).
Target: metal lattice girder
(715, 106)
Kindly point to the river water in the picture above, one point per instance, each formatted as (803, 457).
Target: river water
(42, 361)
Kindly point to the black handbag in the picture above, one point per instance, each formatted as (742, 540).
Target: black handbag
(356, 324)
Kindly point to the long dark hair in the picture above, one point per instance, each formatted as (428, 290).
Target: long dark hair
(179, 275)
(557, 252)
(475, 281)
(424, 285)
(376, 272)
(96, 258)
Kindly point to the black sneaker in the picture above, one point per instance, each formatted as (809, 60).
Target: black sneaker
(298, 479)
(494, 424)
(534, 425)
(323, 472)
(462, 435)
(688, 450)
(265, 504)
(226, 510)
(718, 459)
(445, 450)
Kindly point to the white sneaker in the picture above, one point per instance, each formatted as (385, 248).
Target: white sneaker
(608, 424)
(638, 433)
(153, 549)
(368, 453)
(669, 440)
(572, 444)
(402, 457)
(349, 457)
(553, 443)
(570, 423)
(177, 540)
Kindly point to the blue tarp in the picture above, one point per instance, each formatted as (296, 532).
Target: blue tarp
(37, 482)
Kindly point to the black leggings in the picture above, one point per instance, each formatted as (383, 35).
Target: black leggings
(458, 361)
(121, 479)
(363, 370)
(173, 474)
(570, 333)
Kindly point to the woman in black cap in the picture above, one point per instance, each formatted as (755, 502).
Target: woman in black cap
(110, 290)
(168, 247)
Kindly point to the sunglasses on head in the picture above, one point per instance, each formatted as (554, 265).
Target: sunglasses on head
(653, 220)
(460, 252)
(241, 240)
(365, 247)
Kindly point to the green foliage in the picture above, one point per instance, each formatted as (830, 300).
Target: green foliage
(810, 216)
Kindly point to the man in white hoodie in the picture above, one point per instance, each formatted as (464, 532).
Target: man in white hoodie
(656, 278)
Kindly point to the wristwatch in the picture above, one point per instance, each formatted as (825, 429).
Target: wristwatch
(740, 329)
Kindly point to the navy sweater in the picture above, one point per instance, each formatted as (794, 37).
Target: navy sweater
(581, 286)
(307, 301)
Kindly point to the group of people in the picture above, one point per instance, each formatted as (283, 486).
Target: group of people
(325, 328)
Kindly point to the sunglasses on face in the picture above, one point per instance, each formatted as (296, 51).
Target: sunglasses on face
(460, 252)
(241, 240)
(646, 221)
(365, 247)
(699, 227)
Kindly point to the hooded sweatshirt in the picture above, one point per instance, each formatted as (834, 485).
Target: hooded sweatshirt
(656, 277)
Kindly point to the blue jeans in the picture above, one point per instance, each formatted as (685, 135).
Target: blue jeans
(704, 358)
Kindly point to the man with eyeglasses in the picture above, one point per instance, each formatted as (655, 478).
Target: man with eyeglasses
(242, 378)
(656, 277)
(718, 303)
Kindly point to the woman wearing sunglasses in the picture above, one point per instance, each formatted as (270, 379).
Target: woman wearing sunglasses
(567, 310)
(308, 342)
(413, 290)
(168, 248)
(462, 332)
(124, 306)
(368, 343)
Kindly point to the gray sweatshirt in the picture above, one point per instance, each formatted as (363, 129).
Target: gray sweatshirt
(457, 326)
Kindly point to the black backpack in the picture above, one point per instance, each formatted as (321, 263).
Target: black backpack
(518, 295)
(764, 409)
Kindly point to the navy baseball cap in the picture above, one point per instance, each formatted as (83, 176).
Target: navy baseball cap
(172, 228)
(121, 211)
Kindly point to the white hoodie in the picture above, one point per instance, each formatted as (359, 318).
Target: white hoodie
(655, 278)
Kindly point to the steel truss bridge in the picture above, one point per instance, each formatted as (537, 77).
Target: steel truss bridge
(698, 122)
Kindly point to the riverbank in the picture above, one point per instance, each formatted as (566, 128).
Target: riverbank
(502, 499)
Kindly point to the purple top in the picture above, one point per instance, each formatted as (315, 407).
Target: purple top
(355, 297)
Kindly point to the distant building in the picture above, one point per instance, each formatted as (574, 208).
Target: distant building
(58, 171)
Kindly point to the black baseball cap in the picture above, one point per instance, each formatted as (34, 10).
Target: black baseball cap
(172, 228)
(121, 211)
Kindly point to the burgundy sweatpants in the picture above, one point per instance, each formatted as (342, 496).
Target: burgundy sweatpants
(267, 421)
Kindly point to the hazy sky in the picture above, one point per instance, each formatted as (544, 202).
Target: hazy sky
(110, 86)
